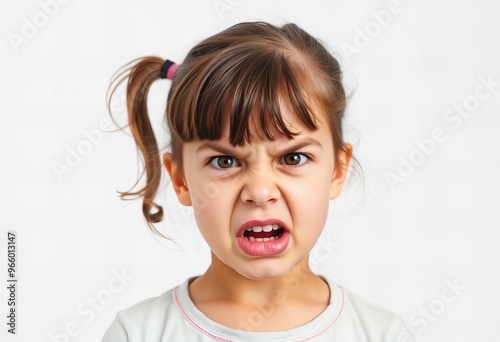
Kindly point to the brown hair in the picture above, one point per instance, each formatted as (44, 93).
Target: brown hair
(240, 73)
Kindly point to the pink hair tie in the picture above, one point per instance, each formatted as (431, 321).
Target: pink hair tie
(168, 69)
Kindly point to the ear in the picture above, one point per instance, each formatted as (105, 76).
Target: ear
(340, 172)
(180, 186)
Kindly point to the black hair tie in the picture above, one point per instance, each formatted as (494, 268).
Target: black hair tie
(168, 69)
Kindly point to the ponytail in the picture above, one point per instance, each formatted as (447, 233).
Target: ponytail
(141, 73)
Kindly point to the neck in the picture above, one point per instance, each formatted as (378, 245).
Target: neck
(222, 283)
(288, 301)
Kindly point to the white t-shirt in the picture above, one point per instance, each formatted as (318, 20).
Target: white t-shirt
(174, 317)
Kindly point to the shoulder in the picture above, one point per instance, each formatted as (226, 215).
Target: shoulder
(149, 315)
(380, 323)
(363, 309)
(154, 307)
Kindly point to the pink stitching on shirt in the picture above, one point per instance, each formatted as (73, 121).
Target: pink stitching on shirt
(342, 305)
(217, 338)
(185, 315)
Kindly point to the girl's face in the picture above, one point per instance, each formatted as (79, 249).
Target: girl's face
(261, 207)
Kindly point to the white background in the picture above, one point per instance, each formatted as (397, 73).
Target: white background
(428, 243)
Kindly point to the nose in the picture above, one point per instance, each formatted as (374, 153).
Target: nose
(260, 189)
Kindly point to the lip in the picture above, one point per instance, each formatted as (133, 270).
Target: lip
(263, 248)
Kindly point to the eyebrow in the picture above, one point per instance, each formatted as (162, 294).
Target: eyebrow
(213, 145)
(303, 143)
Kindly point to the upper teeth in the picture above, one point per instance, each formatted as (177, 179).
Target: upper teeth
(266, 228)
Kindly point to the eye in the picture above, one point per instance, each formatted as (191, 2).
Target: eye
(294, 159)
(224, 162)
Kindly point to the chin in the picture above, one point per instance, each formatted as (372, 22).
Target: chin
(262, 277)
(265, 272)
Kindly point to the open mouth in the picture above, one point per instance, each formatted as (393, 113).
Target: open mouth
(263, 238)
(265, 233)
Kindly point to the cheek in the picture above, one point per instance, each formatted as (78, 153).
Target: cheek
(205, 192)
(208, 220)
(310, 208)
(212, 214)
(212, 205)
(315, 188)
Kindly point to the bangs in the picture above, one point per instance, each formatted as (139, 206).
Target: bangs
(247, 89)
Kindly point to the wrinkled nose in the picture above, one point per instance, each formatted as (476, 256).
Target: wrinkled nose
(260, 189)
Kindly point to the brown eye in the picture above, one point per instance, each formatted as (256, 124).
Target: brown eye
(224, 162)
(294, 159)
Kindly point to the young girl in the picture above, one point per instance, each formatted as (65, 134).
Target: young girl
(254, 114)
